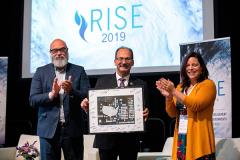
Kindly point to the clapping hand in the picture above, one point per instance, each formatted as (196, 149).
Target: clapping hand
(55, 87)
(67, 85)
(165, 86)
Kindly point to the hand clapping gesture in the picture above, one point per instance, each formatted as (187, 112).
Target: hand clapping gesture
(166, 87)
(67, 85)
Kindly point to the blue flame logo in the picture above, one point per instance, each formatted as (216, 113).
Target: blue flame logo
(80, 20)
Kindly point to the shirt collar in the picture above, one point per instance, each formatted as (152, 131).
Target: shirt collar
(126, 77)
(60, 70)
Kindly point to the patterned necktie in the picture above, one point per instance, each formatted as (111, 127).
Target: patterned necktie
(122, 85)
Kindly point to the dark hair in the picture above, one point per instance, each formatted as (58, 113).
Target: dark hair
(123, 47)
(184, 77)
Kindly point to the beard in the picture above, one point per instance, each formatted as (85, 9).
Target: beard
(59, 62)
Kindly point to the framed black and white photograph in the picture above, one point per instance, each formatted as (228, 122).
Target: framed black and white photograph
(116, 110)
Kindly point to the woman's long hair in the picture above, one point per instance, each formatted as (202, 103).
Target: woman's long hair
(185, 81)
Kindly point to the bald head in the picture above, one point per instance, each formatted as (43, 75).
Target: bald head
(59, 53)
(57, 43)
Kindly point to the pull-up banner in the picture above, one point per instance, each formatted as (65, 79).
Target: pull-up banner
(217, 56)
(3, 96)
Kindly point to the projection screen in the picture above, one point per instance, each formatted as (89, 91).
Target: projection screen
(94, 29)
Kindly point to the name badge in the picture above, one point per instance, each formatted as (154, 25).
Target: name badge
(183, 121)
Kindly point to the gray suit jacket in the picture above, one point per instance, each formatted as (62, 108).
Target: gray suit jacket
(49, 111)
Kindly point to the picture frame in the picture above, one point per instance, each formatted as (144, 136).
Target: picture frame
(116, 110)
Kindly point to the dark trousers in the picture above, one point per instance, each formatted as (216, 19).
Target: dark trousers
(50, 149)
(112, 154)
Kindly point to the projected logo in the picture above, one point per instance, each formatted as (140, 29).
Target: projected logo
(113, 23)
(81, 22)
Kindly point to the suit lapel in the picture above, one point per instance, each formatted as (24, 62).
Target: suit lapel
(114, 81)
(131, 81)
(51, 74)
(68, 73)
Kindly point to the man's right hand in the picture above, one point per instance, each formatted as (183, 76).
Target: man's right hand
(55, 89)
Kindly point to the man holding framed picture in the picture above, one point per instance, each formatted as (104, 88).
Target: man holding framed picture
(122, 144)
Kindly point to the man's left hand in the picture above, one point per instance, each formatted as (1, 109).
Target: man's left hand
(67, 85)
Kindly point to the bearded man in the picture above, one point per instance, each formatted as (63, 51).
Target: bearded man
(56, 91)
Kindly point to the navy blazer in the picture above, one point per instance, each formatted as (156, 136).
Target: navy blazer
(129, 140)
(49, 110)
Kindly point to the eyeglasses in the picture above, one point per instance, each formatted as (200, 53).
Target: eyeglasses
(128, 59)
(62, 50)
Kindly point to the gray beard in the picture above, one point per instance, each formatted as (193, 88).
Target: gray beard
(59, 63)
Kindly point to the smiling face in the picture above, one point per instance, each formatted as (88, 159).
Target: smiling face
(193, 69)
(124, 62)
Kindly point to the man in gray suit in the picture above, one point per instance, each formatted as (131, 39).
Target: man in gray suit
(124, 145)
(56, 91)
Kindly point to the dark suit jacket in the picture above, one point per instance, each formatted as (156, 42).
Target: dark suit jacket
(122, 140)
(49, 111)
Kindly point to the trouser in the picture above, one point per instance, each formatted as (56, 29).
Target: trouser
(50, 149)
